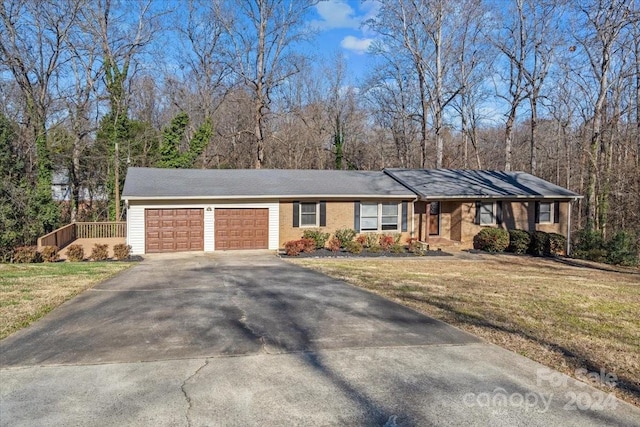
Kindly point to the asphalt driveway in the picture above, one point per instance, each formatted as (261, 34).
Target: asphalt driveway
(248, 339)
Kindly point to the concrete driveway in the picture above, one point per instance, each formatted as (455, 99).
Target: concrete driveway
(247, 339)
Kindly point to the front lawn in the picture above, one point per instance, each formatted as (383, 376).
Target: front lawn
(29, 291)
(565, 316)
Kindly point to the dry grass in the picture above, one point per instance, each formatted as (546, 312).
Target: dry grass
(566, 316)
(29, 291)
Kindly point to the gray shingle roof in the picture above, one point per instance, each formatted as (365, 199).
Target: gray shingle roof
(152, 183)
(469, 184)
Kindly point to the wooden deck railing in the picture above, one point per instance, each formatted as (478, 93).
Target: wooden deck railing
(60, 237)
(98, 230)
(82, 230)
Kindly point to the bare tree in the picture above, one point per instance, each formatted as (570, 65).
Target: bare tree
(32, 47)
(261, 35)
(417, 31)
(602, 28)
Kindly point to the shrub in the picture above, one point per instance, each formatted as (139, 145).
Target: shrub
(100, 252)
(345, 235)
(319, 238)
(491, 240)
(622, 249)
(354, 247)
(589, 244)
(519, 241)
(396, 248)
(539, 243)
(362, 239)
(293, 247)
(121, 251)
(386, 241)
(49, 253)
(75, 253)
(25, 254)
(308, 245)
(557, 245)
(375, 249)
(334, 244)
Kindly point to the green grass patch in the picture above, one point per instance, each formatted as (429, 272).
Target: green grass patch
(29, 291)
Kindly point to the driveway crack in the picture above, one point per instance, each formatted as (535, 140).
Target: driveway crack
(186, 395)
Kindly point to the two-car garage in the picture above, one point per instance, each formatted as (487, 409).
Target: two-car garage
(183, 229)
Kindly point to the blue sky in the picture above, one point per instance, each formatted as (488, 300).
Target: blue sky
(338, 23)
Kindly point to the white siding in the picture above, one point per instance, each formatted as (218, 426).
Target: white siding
(208, 230)
(135, 229)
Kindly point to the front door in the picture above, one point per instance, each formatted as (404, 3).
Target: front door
(434, 219)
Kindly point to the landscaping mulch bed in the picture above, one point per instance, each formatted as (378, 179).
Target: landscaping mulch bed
(326, 253)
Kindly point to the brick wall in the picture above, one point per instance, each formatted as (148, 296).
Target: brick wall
(340, 214)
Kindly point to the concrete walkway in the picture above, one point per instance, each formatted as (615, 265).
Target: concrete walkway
(247, 339)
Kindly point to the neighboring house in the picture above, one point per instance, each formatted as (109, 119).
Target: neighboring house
(61, 189)
(221, 209)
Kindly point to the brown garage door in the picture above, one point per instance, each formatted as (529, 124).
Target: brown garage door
(242, 229)
(173, 230)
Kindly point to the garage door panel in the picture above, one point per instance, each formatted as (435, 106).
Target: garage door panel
(171, 230)
(241, 228)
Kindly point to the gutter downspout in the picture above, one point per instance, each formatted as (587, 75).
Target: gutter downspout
(568, 250)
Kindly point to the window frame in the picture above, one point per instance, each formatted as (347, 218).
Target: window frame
(379, 217)
(550, 212)
(316, 215)
(493, 213)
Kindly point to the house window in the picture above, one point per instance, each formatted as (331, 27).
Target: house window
(369, 217)
(389, 216)
(379, 217)
(487, 213)
(308, 214)
(545, 212)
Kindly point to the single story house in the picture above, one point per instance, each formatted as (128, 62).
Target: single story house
(207, 210)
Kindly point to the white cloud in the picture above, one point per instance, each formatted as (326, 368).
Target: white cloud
(355, 44)
(335, 14)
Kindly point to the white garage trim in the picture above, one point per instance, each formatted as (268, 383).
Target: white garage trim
(136, 221)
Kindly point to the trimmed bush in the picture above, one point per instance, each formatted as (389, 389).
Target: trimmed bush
(319, 238)
(121, 251)
(334, 244)
(375, 249)
(519, 241)
(345, 235)
(353, 247)
(26, 255)
(491, 240)
(362, 239)
(386, 241)
(396, 248)
(308, 245)
(539, 243)
(100, 252)
(49, 253)
(75, 253)
(293, 247)
(557, 245)
(622, 249)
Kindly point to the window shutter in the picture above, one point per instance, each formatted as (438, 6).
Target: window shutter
(356, 216)
(499, 212)
(296, 214)
(478, 208)
(537, 213)
(556, 212)
(323, 214)
(405, 207)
